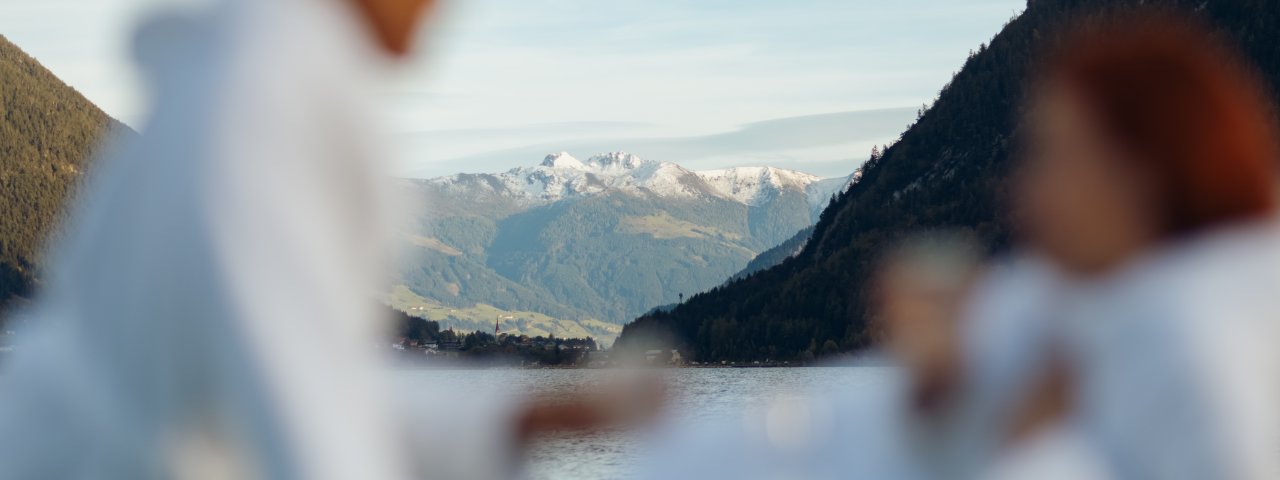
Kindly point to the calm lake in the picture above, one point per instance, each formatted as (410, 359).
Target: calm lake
(697, 394)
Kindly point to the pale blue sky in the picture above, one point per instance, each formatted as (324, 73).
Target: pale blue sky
(805, 84)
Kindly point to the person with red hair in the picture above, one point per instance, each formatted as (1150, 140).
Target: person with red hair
(1149, 186)
(1143, 133)
(1129, 337)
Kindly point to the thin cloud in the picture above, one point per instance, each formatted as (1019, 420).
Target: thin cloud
(826, 144)
(500, 81)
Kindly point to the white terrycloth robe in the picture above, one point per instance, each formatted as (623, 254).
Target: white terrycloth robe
(1176, 368)
(211, 310)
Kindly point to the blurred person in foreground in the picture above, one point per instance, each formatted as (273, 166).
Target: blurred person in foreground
(1150, 187)
(1132, 334)
(210, 313)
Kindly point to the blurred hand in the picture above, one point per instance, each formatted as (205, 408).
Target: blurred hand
(1046, 404)
(629, 402)
(921, 290)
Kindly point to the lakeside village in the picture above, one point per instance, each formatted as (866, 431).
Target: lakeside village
(421, 341)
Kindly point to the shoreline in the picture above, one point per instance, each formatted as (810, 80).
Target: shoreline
(403, 366)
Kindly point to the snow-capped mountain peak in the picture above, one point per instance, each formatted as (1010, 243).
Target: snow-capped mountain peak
(752, 185)
(563, 160)
(562, 176)
(611, 164)
(616, 162)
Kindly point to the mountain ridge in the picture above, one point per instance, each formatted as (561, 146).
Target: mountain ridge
(562, 176)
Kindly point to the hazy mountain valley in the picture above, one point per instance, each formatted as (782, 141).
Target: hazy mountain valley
(576, 247)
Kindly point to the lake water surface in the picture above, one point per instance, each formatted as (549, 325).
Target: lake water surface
(697, 394)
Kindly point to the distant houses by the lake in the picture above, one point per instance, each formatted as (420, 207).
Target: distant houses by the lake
(503, 349)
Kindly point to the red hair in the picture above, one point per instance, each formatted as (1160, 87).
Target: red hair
(1187, 111)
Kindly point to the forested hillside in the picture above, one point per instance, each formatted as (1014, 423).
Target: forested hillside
(776, 255)
(947, 170)
(47, 136)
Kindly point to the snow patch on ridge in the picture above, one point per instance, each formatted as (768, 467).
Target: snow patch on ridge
(755, 185)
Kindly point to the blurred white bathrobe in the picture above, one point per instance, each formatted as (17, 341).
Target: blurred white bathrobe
(1175, 358)
(1177, 369)
(211, 312)
(871, 431)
